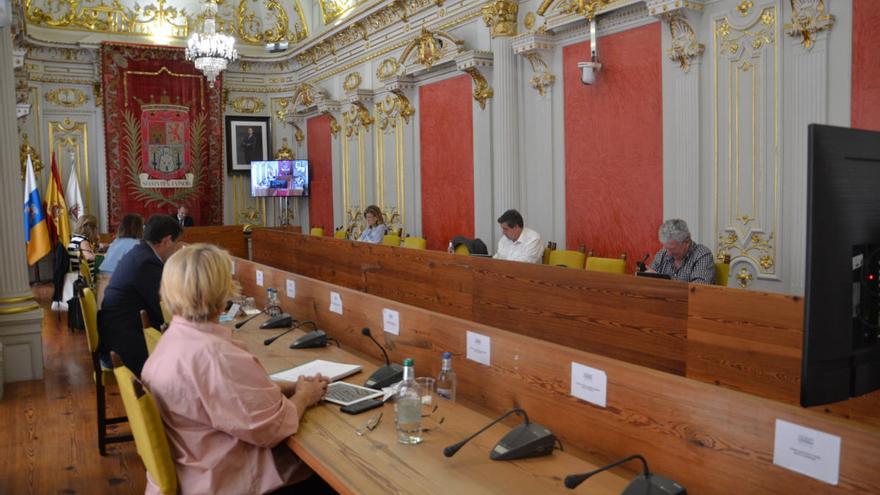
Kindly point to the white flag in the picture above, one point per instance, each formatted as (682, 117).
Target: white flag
(73, 197)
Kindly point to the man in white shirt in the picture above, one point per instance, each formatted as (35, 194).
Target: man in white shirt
(518, 243)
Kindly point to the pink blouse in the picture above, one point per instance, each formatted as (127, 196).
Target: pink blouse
(225, 419)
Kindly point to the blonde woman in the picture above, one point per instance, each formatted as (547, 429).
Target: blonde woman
(84, 243)
(226, 420)
(376, 228)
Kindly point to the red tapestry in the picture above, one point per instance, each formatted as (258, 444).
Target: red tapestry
(163, 133)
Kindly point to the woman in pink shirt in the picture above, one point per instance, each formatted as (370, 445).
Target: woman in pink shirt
(226, 420)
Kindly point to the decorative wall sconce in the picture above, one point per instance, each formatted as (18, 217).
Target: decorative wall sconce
(591, 68)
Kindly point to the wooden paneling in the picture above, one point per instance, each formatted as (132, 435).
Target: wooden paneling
(746, 340)
(711, 439)
(229, 237)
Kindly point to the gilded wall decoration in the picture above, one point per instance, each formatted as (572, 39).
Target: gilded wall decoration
(334, 125)
(284, 152)
(808, 18)
(684, 47)
(500, 17)
(482, 91)
(746, 145)
(247, 104)
(529, 21)
(745, 7)
(66, 97)
(395, 105)
(27, 150)
(428, 47)
(357, 119)
(392, 115)
(334, 9)
(352, 81)
(282, 108)
(586, 8)
(542, 78)
(387, 69)
(69, 141)
(250, 26)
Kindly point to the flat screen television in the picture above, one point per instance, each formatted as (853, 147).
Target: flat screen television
(280, 178)
(841, 357)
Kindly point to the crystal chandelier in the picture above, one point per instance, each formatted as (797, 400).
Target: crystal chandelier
(211, 51)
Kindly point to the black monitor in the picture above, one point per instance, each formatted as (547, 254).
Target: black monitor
(841, 356)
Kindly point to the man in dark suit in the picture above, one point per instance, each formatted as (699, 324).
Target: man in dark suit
(183, 217)
(135, 286)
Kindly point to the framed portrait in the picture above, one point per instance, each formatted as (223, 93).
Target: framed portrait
(247, 140)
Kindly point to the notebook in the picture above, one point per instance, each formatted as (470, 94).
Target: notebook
(335, 371)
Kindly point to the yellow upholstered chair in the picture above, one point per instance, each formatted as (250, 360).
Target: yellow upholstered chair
(317, 231)
(391, 240)
(722, 271)
(151, 335)
(415, 243)
(102, 375)
(85, 273)
(607, 265)
(340, 234)
(462, 250)
(567, 258)
(146, 425)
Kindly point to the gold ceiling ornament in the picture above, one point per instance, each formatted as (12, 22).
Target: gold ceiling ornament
(334, 125)
(500, 17)
(529, 21)
(66, 97)
(587, 8)
(97, 16)
(334, 9)
(684, 47)
(282, 108)
(428, 47)
(284, 152)
(356, 119)
(387, 69)
(305, 95)
(744, 7)
(23, 152)
(249, 27)
(352, 81)
(542, 78)
(808, 18)
(247, 104)
(482, 91)
(395, 105)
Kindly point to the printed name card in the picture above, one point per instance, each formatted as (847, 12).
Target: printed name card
(479, 348)
(589, 384)
(260, 278)
(233, 267)
(291, 289)
(807, 451)
(335, 302)
(391, 321)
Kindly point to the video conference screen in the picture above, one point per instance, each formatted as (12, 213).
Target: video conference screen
(280, 178)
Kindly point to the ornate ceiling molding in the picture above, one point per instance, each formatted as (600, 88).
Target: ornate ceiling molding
(66, 97)
(500, 17)
(247, 104)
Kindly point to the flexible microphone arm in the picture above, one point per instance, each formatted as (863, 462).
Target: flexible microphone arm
(243, 323)
(366, 331)
(282, 334)
(452, 449)
(641, 264)
(573, 480)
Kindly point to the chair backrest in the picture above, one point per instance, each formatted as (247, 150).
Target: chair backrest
(147, 429)
(340, 234)
(317, 231)
(567, 258)
(151, 337)
(391, 240)
(722, 271)
(608, 265)
(85, 272)
(461, 249)
(89, 307)
(545, 259)
(415, 243)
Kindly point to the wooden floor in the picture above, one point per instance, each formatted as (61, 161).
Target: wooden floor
(48, 432)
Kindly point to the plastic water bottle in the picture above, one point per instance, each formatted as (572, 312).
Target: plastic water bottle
(446, 384)
(272, 306)
(408, 405)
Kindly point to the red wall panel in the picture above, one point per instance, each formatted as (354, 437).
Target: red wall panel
(865, 65)
(614, 145)
(447, 160)
(321, 162)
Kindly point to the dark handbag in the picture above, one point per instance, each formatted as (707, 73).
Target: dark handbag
(75, 320)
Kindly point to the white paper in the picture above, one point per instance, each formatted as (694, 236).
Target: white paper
(589, 384)
(291, 289)
(335, 302)
(334, 371)
(233, 311)
(807, 451)
(260, 278)
(391, 321)
(479, 348)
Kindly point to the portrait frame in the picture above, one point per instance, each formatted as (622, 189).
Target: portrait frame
(236, 131)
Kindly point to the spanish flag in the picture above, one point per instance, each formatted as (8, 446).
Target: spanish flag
(56, 208)
(36, 232)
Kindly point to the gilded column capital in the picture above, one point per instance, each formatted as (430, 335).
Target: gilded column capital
(500, 17)
(684, 48)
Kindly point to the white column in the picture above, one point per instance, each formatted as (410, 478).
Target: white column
(20, 316)
(505, 127)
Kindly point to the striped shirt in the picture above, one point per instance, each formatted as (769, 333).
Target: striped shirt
(73, 251)
(698, 265)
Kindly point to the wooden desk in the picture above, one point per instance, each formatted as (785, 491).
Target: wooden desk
(377, 464)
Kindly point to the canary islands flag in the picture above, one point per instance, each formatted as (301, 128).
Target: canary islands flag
(36, 231)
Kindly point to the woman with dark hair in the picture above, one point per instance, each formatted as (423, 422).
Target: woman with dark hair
(376, 228)
(129, 233)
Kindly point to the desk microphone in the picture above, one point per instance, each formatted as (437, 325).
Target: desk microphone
(386, 375)
(641, 264)
(282, 334)
(243, 323)
(645, 483)
(526, 440)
